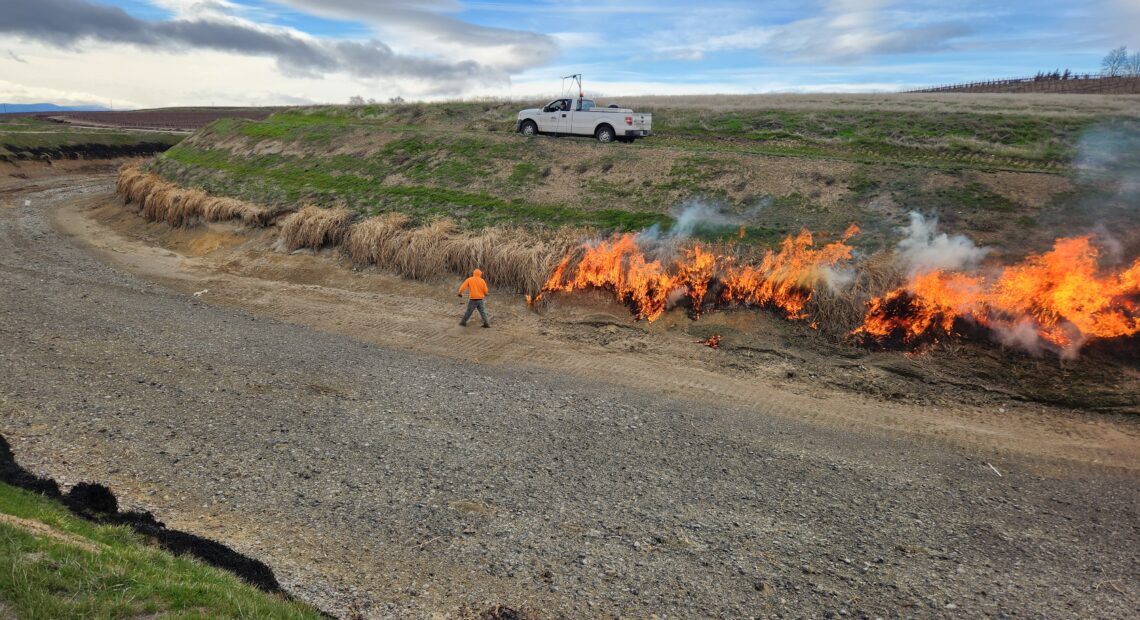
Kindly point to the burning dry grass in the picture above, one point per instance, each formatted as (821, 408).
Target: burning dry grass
(838, 309)
(1055, 301)
(1058, 301)
(162, 201)
(702, 277)
(314, 227)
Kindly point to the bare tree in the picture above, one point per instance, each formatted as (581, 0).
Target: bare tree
(356, 100)
(1114, 63)
(1133, 65)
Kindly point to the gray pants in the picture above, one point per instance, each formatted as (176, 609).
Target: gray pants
(472, 306)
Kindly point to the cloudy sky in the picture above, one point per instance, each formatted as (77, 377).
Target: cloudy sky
(151, 53)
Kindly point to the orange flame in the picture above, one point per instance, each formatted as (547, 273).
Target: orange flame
(1061, 294)
(712, 342)
(784, 279)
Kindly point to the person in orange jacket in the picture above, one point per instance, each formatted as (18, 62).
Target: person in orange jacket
(476, 289)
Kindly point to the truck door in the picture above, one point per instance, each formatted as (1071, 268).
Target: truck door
(556, 117)
(582, 121)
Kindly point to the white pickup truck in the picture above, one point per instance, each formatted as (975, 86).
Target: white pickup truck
(582, 117)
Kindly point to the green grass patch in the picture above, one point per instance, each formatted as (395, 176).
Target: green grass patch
(1040, 138)
(972, 197)
(357, 183)
(114, 575)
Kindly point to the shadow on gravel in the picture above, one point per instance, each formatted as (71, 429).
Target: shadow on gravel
(96, 502)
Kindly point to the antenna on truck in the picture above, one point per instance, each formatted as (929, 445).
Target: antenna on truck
(574, 79)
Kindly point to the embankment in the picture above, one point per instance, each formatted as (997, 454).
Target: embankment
(763, 167)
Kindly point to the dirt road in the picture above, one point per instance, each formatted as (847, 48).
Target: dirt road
(340, 427)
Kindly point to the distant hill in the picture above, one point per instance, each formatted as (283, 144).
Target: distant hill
(25, 108)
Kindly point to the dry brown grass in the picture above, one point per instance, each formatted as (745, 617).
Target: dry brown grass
(840, 310)
(219, 209)
(513, 259)
(131, 183)
(376, 240)
(422, 253)
(314, 227)
(162, 201)
(524, 261)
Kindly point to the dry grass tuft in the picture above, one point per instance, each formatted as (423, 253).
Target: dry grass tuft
(218, 209)
(512, 259)
(841, 310)
(162, 201)
(422, 254)
(314, 227)
(376, 240)
(131, 184)
(522, 260)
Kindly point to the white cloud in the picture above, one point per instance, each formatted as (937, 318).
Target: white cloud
(160, 78)
(76, 24)
(14, 92)
(578, 40)
(426, 27)
(844, 31)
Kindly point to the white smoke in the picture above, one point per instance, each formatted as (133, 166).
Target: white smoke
(1021, 335)
(696, 213)
(690, 216)
(1107, 161)
(837, 278)
(925, 249)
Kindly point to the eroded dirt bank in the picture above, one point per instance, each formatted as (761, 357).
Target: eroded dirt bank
(568, 463)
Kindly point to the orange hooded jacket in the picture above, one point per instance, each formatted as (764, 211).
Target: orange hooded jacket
(474, 285)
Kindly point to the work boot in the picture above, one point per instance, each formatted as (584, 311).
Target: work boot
(486, 325)
(461, 324)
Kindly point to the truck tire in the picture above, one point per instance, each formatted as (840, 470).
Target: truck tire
(604, 134)
(528, 129)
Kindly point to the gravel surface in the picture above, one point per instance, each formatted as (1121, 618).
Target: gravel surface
(395, 485)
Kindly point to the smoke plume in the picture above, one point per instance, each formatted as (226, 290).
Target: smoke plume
(925, 249)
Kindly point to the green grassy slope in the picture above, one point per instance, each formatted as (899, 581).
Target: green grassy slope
(773, 169)
(57, 566)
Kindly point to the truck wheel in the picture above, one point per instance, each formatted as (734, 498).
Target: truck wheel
(529, 129)
(605, 133)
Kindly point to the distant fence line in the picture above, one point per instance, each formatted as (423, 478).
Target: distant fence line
(1046, 83)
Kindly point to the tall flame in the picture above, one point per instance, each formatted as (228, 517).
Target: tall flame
(1061, 294)
(784, 279)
